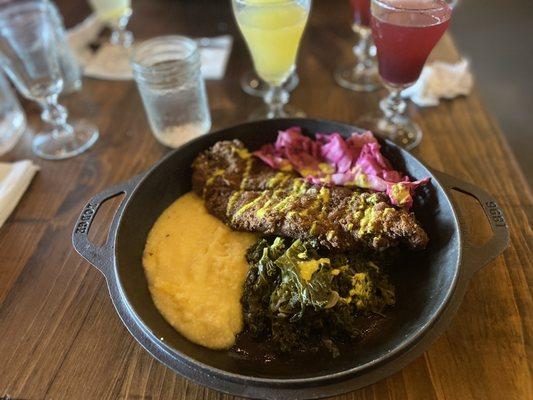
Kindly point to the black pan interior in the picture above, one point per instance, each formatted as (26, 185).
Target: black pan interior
(423, 279)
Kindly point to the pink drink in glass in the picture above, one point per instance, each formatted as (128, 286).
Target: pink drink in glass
(405, 39)
(361, 12)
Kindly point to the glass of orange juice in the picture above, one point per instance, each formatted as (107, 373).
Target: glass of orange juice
(272, 30)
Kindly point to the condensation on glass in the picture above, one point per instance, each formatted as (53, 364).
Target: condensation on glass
(167, 72)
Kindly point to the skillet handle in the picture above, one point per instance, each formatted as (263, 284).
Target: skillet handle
(479, 256)
(101, 256)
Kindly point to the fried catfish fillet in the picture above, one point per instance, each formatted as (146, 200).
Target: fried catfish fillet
(250, 196)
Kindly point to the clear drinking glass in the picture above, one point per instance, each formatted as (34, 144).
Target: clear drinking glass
(167, 72)
(272, 30)
(12, 118)
(405, 32)
(28, 52)
(363, 76)
(116, 14)
(255, 86)
(68, 65)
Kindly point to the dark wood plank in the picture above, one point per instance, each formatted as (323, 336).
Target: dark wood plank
(60, 337)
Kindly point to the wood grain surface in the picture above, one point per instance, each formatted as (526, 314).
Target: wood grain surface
(59, 335)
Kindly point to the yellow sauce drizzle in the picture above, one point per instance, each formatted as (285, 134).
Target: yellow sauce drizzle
(277, 180)
(242, 153)
(246, 173)
(400, 193)
(308, 268)
(322, 201)
(209, 182)
(298, 188)
(250, 204)
(326, 168)
(263, 210)
(365, 223)
(231, 202)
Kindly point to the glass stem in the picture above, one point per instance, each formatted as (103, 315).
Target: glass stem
(364, 50)
(56, 115)
(275, 98)
(120, 36)
(393, 106)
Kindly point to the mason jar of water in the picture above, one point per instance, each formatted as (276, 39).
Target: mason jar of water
(167, 72)
(12, 118)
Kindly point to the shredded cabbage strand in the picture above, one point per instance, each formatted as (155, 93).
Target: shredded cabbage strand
(332, 160)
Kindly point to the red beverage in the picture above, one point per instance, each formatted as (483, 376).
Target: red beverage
(361, 12)
(404, 38)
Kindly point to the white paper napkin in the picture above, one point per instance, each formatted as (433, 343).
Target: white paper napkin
(113, 63)
(82, 35)
(214, 55)
(440, 80)
(14, 180)
(109, 63)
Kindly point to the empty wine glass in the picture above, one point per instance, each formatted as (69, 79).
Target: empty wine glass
(255, 86)
(68, 64)
(272, 30)
(363, 76)
(29, 55)
(116, 14)
(405, 32)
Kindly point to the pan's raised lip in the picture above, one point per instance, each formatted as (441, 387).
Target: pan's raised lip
(281, 383)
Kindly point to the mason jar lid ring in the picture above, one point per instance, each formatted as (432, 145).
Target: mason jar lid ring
(163, 55)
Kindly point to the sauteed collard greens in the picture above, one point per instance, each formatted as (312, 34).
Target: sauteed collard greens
(302, 297)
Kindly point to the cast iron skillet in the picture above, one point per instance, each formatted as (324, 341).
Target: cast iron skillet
(430, 284)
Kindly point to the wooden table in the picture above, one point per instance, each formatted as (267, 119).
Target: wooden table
(59, 335)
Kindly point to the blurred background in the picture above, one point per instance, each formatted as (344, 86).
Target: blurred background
(497, 36)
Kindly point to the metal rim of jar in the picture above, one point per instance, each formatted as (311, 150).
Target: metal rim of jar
(147, 73)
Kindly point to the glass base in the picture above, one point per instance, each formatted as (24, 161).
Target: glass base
(265, 112)
(255, 86)
(401, 130)
(358, 79)
(52, 146)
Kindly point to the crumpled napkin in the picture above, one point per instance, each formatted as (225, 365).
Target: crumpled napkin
(440, 80)
(214, 55)
(113, 63)
(14, 180)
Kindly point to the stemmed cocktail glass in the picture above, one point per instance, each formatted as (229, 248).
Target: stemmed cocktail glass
(29, 55)
(405, 32)
(363, 76)
(116, 14)
(272, 30)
